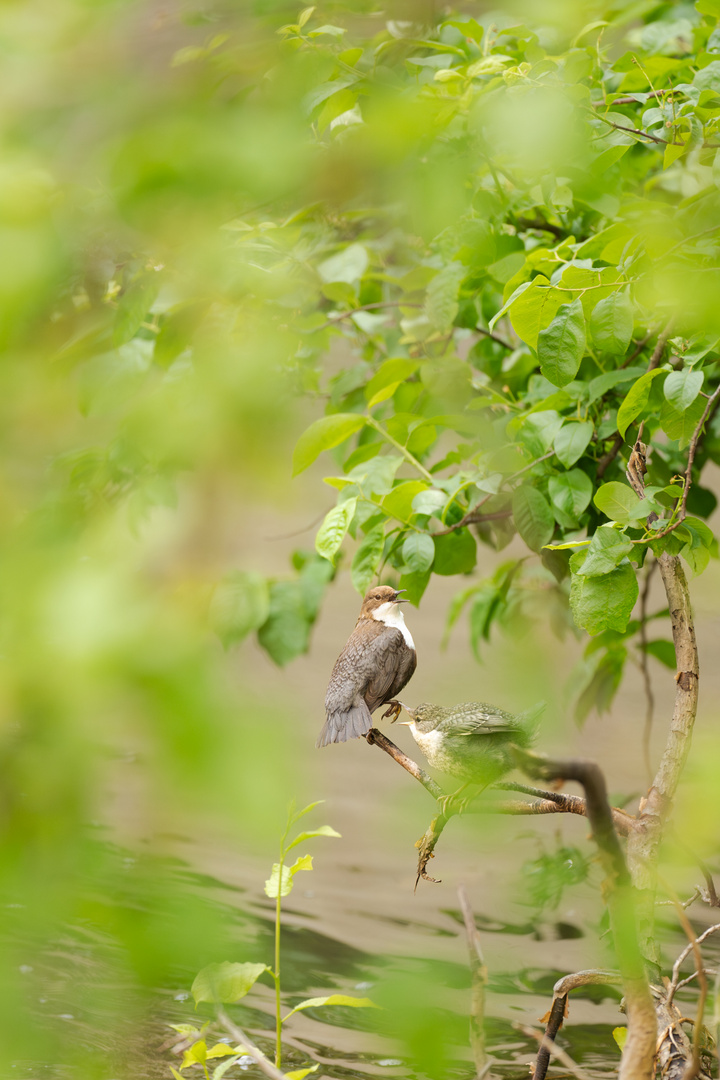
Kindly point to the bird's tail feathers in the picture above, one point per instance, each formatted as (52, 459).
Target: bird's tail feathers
(530, 719)
(348, 724)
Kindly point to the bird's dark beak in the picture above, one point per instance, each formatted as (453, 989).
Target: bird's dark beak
(398, 599)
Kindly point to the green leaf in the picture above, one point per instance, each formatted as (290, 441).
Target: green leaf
(572, 440)
(133, 307)
(608, 547)
(681, 425)
(324, 830)
(611, 323)
(605, 602)
(441, 305)
(619, 502)
(240, 603)
(430, 501)
(561, 347)
(325, 433)
(285, 886)
(636, 399)
(533, 307)
(387, 378)
(571, 492)
(682, 387)
(399, 503)
(366, 559)
(222, 1050)
(300, 1074)
(195, 1055)
(414, 586)
(418, 552)
(220, 1070)
(600, 385)
(226, 983)
(620, 1035)
(455, 553)
(334, 999)
(334, 528)
(533, 517)
(663, 650)
(348, 265)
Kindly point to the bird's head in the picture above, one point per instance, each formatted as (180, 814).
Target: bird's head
(423, 718)
(376, 598)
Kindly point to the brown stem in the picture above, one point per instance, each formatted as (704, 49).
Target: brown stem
(638, 1053)
(479, 978)
(559, 1010)
(495, 337)
(645, 668)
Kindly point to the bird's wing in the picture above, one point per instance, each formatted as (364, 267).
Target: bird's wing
(367, 666)
(482, 722)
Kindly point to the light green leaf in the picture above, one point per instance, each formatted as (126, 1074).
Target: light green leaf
(533, 517)
(334, 528)
(611, 323)
(663, 650)
(572, 440)
(441, 304)
(195, 1055)
(681, 425)
(348, 265)
(609, 380)
(222, 1050)
(571, 492)
(226, 982)
(636, 399)
(429, 501)
(295, 815)
(605, 602)
(620, 1035)
(619, 502)
(133, 307)
(220, 1070)
(334, 999)
(682, 387)
(418, 552)
(285, 886)
(608, 547)
(561, 346)
(399, 503)
(323, 830)
(300, 1074)
(366, 559)
(534, 308)
(387, 378)
(304, 15)
(323, 434)
(240, 603)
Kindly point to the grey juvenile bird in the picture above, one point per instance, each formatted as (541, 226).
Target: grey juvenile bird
(471, 740)
(376, 663)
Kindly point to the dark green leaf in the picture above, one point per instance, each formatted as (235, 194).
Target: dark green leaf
(663, 650)
(533, 517)
(603, 603)
(455, 553)
(681, 425)
(636, 400)
(571, 492)
(414, 585)
(561, 347)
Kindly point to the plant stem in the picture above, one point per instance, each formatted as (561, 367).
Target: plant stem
(399, 446)
(276, 973)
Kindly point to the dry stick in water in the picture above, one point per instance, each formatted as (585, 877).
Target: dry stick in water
(250, 1049)
(559, 1009)
(479, 977)
(637, 1062)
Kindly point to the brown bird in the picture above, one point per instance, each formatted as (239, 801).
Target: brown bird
(376, 663)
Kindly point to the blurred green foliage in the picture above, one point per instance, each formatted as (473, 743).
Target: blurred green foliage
(457, 234)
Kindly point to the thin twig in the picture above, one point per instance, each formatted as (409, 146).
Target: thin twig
(376, 738)
(495, 337)
(249, 1048)
(473, 517)
(645, 668)
(693, 1069)
(479, 978)
(684, 955)
(365, 307)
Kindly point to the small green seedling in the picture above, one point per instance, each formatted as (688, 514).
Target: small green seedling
(227, 983)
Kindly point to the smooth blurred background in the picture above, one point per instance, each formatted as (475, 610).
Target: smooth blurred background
(144, 769)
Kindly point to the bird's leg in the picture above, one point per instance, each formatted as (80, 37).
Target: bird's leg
(394, 708)
(452, 804)
(426, 845)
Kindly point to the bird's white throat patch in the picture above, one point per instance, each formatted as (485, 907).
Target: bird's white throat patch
(390, 614)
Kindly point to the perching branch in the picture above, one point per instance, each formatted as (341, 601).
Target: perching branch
(558, 1010)
(637, 1061)
(376, 738)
